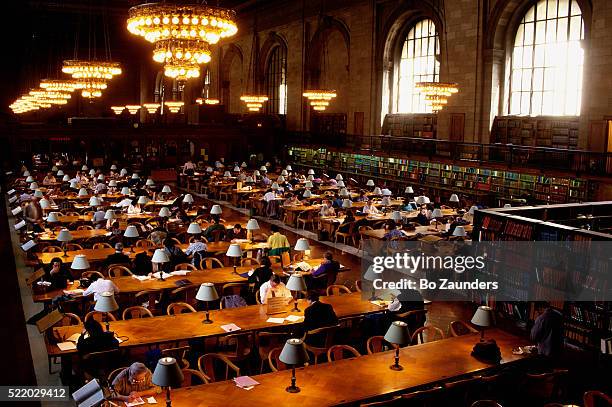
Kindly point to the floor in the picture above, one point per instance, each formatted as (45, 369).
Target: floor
(440, 314)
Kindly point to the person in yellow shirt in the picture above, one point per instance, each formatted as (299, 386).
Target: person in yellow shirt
(278, 242)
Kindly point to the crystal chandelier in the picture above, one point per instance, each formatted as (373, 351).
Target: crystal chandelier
(437, 93)
(91, 76)
(319, 98)
(181, 34)
(174, 106)
(58, 85)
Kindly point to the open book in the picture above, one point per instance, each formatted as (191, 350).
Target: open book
(303, 266)
(92, 394)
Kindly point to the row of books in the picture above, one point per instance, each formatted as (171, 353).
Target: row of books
(588, 317)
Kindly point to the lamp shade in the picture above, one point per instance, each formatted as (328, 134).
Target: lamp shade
(308, 184)
(164, 212)
(252, 225)
(249, 179)
(288, 168)
(507, 206)
(123, 172)
(112, 183)
(54, 168)
(370, 183)
(280, 179)
(227, 174)
(216, 210)
(437, 213)
(80, 262)
(398, 333)
(92, 172)
(339, 177)
(396, 216)
(310, 177)
(30, 178)
(84, 168)
(302, 245)
(236, 169)
(275, 186)
(483, 316)
(64, 236)
(256, 173)
(34, 186)
(110, 214)
(113, 167)
(125, 191)
(386, 192)
(94, 201)
(74, 184)
(38, 193)
(234, 250)
(194, 229)
(167, 373)
(459, 231)
(207, 292)
(340, 184)
(347, 203)
(377, 191)
(263, 168)
(311, 172)
(142, 200)
(293, 352)
(284, 173)
(45, 204)
(53, 218)
(472, 209)
(307, 194)
(150, 182)
(100, 177)
(454, 198)
(421, 200)
(66, 178)
(409, 190)
(244, 164)
(106, 302)
(160, 256)
(344, 193)
(209, 169)
(188, 199)
(166, 189)
(131, 231)
(83, 192)
(296, 282)
(135, 176)
(26, 173)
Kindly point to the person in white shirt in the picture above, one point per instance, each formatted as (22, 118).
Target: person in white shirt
(327, 209)
(134, 209)
(100, 285)
(196, 246)
(274, 288)
(98, 218)
(269, 196)
(369, 208)
(100, 187)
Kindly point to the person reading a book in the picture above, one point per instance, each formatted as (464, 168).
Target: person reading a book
(278, 242)
(134, 383)
(95, 339)
(261, 274)
(58, 275)
(327, 271)
(274, 288)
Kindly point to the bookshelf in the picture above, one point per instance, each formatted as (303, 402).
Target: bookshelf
(410, 125)
(485, 185)
(540, 131)
(585, 323)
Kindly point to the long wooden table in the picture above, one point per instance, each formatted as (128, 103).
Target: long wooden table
(348, 381)
(148, 331)
(76, 235)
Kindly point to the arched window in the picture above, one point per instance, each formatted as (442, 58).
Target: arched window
(419, 62)
(547, 60)
(276, 81)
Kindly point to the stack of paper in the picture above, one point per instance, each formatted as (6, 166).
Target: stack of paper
(74, 337)
(64, 346)
(294, 318)
(141, 278)
(163, 273)
(180, 272)
(76, 291)
(230, 327)
(136, 402)
(245, 382)
(273, 320)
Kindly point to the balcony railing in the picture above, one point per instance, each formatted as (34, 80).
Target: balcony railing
(579, 162)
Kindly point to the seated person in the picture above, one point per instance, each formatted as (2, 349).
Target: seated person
(134, 209)
(362, 197)
(115, 229)
(197, 245)
(134, 382)
(100, 285)
(49, 179)
(422, 217)
(274, 288)
(291, 200)
(174, 252)
(58, 275)
(269, 196)
(237, 232)
(328, 267)
(348, 219)
(95, 339)
(318, 314)
(337, 201)
(547, 332)
(100, 187)
(158, 235)
(278, 242)
(391, 231)
(261, 274)
(369, 208)
(327, 209)
(216, 225)
(118, 257)
(142, 263)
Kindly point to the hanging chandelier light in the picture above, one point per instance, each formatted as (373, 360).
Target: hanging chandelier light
(254, 102)
(319, 99)
(58, 85)
(91, 76)
(174, 106)
(132, 109)
(207, 101)
(151, 107)
(181, 33)
(117, 109)
(437, 93)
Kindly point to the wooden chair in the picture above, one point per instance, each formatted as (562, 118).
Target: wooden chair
(185, 266)
(257, 297)
(67, 320)
(52, 249)
(459, 328)
(327, 333)
(99, 365)
(153, 297)
(306, 218)
(85, 227)
(192, 377)
(433, 333)
(208, 362)
(414, 318)
(210, 262)
(234, 288)
(274, 259)
(249, 261)
(337, 352)
(73, 213)
(114, 373)
(72, 247)
(463, 392)
(136, 311)
(395, 401)
(337, 289)
(242, 347)
(101, 317)
(265, 342)
(377, 344)
(185, 294)
(273, 360)
(425, 398)
(115, 270)
(179, 353)
(358, 285)
(179, 308)
(349, 234)
(145, 243)
(88, 274)
(101, 245)
(217, 235)
(594, 398)
(175, 240)
(486, 403)
(541, 388)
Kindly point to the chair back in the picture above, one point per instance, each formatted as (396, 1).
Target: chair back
(249, 261)
(98, 365)
(234, 289)
(210, 262)
(358, 285)
(463, 392)
(217, 367)
(544, 387)
(486, 403)
(327, 334)
(377, 344)
(185, 266)
(265, 341)
(192, 377)
(52, 249)
(596, 399)
(73, 247)
(101, 317)
(426, 398)
(338, 352)
(432, 333)
(88, 274)
(178, 353)
(136, 311)
(459, 328)
(101, 245)
(145, 244)
(273, 360)
(114, 373)
(179, 308)
(285, 259)
(337, 289)
(115, 270)
(85, 227)
(185, 294)
(218, 235)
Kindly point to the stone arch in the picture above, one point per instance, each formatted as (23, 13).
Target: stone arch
(272, 41)
(327, 27)
(232, 54)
